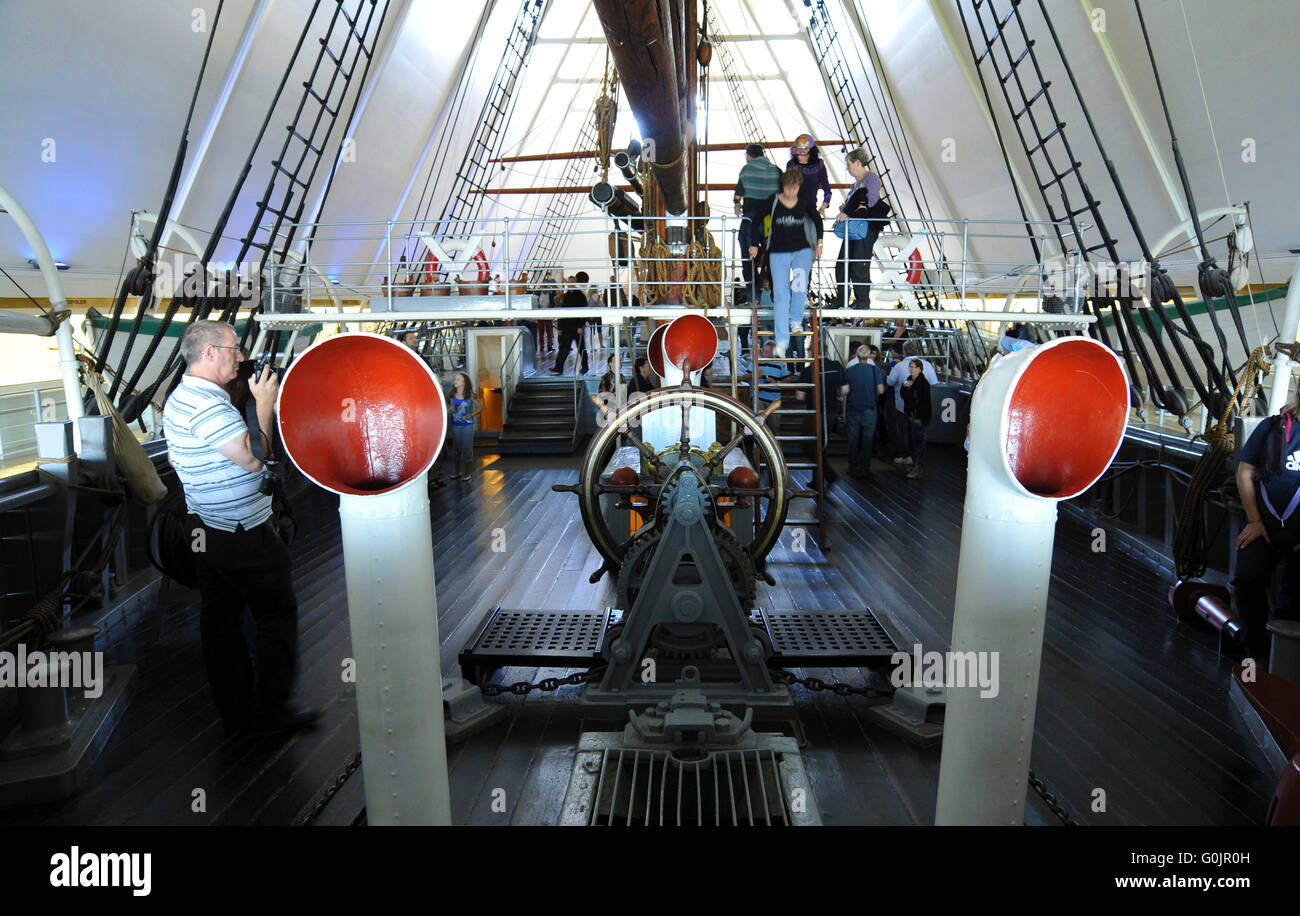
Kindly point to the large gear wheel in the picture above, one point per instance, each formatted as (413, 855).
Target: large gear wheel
(631, 578)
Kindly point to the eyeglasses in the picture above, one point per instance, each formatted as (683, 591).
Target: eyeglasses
(221, 347)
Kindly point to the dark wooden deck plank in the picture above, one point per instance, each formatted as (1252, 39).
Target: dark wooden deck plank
(1130, 701)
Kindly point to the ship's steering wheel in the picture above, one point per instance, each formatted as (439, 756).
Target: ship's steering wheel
(770, 492)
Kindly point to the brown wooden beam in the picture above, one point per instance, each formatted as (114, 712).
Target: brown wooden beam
(621, 187)
(704, 147)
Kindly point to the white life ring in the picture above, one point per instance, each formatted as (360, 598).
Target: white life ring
(457, 255)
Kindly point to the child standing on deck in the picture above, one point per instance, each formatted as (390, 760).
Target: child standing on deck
(464, 408)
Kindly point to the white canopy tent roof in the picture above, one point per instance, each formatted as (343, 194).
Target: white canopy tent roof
(96, 97)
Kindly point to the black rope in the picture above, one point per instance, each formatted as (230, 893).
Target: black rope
(44, 310)
(439, 161)
(1209, 275)
(140, 281)
(1127, 305)
(1189, 536)
(172, 367)
(338, 158)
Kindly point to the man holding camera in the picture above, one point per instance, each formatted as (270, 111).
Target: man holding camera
(240, 559)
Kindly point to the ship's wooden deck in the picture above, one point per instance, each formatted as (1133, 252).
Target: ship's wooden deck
(1131, 702)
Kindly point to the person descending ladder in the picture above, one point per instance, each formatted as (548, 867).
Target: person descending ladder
(802, 442)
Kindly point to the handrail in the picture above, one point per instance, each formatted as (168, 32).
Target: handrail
(511, 369)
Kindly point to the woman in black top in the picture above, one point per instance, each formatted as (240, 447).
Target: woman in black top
(794, 237)
(916, 407)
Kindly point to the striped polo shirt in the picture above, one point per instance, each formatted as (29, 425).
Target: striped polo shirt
(197, 418)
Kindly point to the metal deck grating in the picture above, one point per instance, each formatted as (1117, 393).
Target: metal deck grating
(544, 631)
(536, 637)
(855, 637)
(653, 788)
(613, 784)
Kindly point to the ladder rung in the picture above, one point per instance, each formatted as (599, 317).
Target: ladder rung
(311, 91)
(1050, 134)
(279, 167)
(338, 64)
(1019, 114)
(352, 23)
(1058, 177)
(1015, 63)
(267, 208)
(294, 132)
(796, 438)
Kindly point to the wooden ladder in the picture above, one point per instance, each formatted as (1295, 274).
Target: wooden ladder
(792, 439)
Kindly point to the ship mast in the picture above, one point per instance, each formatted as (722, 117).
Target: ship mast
(653, 44)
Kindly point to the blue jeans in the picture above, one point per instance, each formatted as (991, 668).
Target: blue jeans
(462, 448)
(917, 430)
(860, 427)
(791, 271)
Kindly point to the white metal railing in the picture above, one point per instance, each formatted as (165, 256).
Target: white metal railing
(21, 408)
(417, 269)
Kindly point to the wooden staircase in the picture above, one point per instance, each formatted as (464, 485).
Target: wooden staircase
(543, 418)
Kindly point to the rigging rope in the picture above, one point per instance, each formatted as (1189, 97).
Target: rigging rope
(1190, 539)
(605, 112)
(703, 286)
(196, 297)
(139, 281)
(1214, 140)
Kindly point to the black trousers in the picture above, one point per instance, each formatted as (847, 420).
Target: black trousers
(567, 338)
(1255, 564)
(858, 270)
(246, 569)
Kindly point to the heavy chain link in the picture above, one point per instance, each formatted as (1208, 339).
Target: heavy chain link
(523, 688)
(815, 683)
(353, 765)
(1050, 800)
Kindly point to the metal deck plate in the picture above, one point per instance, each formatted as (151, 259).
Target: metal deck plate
(572, 638)
(827, 637)
(614, 784)
(551, 637)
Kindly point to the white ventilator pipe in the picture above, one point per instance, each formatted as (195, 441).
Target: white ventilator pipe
(690, 337)
(1046, 422)
(1290, 321)
(68, 368)
(364, 417)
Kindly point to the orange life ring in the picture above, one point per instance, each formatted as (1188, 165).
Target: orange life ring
(484, 273)
(430, 267)
(914, 266)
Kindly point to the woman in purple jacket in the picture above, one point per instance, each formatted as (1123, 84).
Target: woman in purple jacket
(805, 158)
